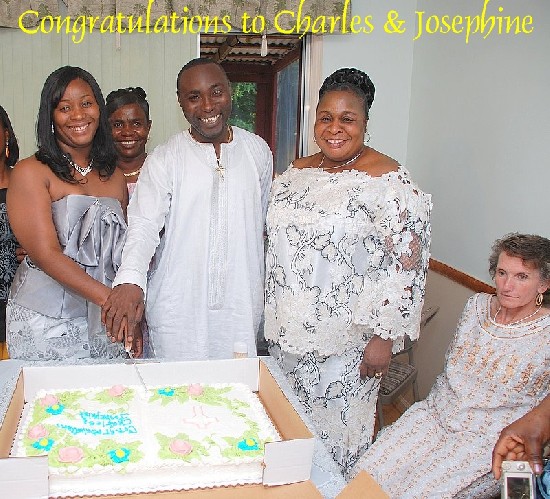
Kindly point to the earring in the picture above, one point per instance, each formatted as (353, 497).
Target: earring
(368, 136)
(314, 139)
(7, 151)
(538, 300)
(53, 130)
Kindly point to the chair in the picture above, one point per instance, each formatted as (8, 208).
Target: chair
(401, 376)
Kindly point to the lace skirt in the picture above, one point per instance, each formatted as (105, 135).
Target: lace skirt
(33, 336)
(340, 404)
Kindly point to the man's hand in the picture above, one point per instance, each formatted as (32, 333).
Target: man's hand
(136, 339)
(524, 439)
(376, 358)
(124, 301)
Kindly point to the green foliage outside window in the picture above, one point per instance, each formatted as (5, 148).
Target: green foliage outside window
(244, 106)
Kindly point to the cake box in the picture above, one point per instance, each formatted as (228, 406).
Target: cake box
(287, 463)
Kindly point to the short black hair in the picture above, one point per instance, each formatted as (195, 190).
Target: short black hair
(124, 96)
(103, 150)
(199, 61)
(13, 146)
(351, 79)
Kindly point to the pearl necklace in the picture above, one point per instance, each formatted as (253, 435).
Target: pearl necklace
(131, 174)
(346, 163)
(83, 171)
(515, 322)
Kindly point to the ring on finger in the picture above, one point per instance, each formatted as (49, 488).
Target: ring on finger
(378, 375)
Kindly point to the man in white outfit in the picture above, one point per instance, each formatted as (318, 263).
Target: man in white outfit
(208, 188)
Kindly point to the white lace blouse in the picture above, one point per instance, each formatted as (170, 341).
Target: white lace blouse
(347, 257)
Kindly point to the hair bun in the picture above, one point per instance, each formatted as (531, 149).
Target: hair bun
(350, 77)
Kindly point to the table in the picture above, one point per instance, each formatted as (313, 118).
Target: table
(325, 473)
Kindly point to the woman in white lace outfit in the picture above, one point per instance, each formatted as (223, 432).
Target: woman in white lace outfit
(497, 369)
(347, 254)
(67, 207)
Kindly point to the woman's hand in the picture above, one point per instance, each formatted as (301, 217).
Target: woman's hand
(20, 254)
(376, 358)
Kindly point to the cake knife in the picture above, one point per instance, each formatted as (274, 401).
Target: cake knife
(133, 359)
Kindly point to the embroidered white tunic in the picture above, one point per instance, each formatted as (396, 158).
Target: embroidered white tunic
(347, 258)
(205, 287)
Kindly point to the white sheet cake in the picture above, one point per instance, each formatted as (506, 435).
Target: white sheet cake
(124, 439)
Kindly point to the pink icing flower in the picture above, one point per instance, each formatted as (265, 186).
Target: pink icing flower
(116, 391)
(37, 432)
(194, 390)
(48, 400)
(70, 454)
(180, 447)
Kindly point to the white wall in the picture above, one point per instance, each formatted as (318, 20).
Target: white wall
(479, 133)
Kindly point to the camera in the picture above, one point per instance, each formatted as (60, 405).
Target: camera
(518, 480)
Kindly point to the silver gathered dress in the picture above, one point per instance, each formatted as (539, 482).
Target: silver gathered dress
(347, 257)
(46, 321)
(441, 447)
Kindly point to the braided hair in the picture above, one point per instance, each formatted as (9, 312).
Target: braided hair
(351, 79)
(124, 96)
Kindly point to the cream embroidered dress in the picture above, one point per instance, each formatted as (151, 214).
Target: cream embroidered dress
(494, 374)
(347, 257)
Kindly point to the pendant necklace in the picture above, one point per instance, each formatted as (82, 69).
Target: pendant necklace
(346, 163)
(220, 168)
(82, 170)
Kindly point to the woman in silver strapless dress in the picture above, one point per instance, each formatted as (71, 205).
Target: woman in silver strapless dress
(67, 206)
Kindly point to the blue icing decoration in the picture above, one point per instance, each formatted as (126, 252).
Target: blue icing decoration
(167, 392)
(119, 455)
(248, 444)
(55, 409)
(43, 444)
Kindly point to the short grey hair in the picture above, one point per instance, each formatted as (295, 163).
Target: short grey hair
(530, 248)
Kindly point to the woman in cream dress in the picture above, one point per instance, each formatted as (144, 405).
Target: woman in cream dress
(497, 369)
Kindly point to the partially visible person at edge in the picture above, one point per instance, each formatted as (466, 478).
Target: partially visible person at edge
(208, 188)
(347, 256)
(524, 440)
(128, 112)
(9, 154)
(497, 369)
(73, 230)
